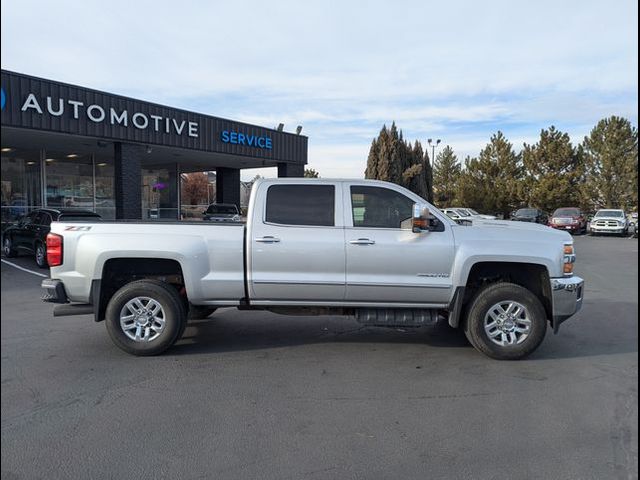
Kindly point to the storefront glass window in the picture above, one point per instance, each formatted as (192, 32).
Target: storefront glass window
(21, 187)
(105, 193)
(69, 180)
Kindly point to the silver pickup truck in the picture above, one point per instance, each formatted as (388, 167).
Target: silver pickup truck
(369, 249)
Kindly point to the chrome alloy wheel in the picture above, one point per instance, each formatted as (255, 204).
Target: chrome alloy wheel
(507, 323)
(142, 319)
(41, 255)
(6, 246)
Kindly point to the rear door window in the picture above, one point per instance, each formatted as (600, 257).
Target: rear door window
(312, 205)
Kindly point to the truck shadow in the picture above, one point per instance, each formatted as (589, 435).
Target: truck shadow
(601, 328)
(228, 331)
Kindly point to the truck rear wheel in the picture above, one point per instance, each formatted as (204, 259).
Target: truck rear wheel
(145, 317)
(505, 321)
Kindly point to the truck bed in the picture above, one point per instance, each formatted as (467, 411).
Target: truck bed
(211, 255)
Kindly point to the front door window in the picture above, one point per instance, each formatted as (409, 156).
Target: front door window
(376, 207)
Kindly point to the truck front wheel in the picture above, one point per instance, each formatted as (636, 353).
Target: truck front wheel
(145, 317)
(505, 321)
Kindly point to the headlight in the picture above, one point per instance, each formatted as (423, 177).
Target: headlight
(569, 259)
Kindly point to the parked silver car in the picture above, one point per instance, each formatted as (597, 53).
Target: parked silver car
(222, 212)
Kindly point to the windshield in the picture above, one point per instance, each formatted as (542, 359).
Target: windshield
(566, 212)
(472, 211)
(526, 211)
(609, 213)
(463, 213)
(223, 209)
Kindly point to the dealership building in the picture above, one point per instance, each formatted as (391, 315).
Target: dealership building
(69, 146)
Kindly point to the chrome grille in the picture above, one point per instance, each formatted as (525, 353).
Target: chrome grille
(606, 223)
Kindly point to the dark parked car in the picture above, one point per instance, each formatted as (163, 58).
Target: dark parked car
(570, 219)
(533, 215)
(29, 233)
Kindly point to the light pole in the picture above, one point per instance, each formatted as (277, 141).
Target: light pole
(433, 149)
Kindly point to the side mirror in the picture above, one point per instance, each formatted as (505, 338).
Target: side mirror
(420, 218)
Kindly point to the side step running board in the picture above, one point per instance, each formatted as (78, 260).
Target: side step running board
(72, 309)
(396, 317)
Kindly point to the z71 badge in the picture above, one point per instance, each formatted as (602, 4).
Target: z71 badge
(77, 228)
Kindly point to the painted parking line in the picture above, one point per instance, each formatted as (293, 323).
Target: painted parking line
(24, 269)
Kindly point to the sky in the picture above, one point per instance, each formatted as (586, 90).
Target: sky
(457, 70)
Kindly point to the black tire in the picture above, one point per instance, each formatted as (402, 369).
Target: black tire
(41, 255)
(199, 312)
(7, 247)
(479, 307)
(174, 316)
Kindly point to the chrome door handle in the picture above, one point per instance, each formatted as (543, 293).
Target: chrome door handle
(362, 241)
(267, 239)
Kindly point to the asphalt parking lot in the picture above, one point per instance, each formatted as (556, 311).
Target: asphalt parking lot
(256, 395)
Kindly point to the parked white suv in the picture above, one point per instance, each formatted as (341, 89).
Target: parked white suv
(463, 215)
(461, 218)
(609, 221)
(471, 212)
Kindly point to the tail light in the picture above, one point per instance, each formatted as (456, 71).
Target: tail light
(54, 250)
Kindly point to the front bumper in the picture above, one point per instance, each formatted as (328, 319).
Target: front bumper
(570, 227)
(617, 230)
(567, 294)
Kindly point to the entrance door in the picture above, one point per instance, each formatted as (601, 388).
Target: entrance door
(159, 193)
(389, 264)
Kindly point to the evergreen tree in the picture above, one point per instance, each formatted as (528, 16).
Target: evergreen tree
(428, 176)
(372, 160)
(491, 182)
(611, 153)
(472, 187)
(311, 173)
(393, 159)
(414, 175)
(554, 171)
(446, 172)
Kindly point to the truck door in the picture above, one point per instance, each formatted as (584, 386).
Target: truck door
(390, 264)
(296, 243)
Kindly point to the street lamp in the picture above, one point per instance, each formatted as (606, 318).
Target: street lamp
(433, 149)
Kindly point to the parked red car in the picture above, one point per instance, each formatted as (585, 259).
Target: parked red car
(570, 219)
